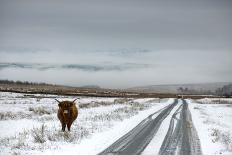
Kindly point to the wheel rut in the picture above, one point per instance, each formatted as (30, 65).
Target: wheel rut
(182, 137)
(136, 140)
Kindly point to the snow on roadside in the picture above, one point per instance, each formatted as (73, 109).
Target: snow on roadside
(98, 142)
(30, 124)
(215, 101)
(154, 146)
(213, 124)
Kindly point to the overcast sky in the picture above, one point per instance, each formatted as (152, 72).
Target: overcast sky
(116, 43)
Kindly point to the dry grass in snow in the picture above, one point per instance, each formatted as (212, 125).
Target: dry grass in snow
(37, 128)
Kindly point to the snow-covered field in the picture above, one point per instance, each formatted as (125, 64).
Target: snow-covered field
(213, 121)
(29, 124)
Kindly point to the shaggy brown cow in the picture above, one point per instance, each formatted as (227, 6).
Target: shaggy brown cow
(67, 113)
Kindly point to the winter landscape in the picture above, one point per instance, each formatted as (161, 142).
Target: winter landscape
(29, 125)
(115, 77)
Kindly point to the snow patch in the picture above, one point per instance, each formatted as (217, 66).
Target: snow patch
(213, 124)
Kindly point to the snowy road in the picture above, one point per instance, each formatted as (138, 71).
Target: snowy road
(181, 137)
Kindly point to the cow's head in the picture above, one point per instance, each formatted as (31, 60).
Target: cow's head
(65, 105)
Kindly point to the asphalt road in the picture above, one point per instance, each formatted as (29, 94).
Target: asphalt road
(181, 138)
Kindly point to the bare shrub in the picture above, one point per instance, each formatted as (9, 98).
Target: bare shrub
(215, 134)
(214, 101)
(83, 132)
(5, 141)
(42, 110)
(227, 140)
(125, 101)
(7, 115)
(139, 106)
(222, 137)
(20, 144)
(105, 117)
(61, 136)
(119, 114)
(39, 134)
(21, 138)
(13, 115)
(79, 133)
(122, 100)
(46, 118)
(94, 104)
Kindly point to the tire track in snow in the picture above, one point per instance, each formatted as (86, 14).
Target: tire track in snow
(183, 139)
(136, 140)
(173, 135)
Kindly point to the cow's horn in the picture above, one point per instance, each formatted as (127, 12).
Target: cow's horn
(57, 100)
(75, 100)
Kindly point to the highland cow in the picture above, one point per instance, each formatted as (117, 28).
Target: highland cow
(67, 113)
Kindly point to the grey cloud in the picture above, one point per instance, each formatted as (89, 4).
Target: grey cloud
(83, 67)
(14, 49)
(125, 52)
(157, 24)
(190, 37)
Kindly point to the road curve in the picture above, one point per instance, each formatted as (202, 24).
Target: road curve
(136, 140)
(181, 138)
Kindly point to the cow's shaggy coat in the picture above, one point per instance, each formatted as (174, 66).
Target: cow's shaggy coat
(67, 113)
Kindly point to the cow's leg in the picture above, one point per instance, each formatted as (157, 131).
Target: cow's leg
(63, 126)
(69, 125)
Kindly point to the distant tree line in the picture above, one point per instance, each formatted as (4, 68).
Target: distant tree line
(186, 90)
(225, 91)
(22, 82)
